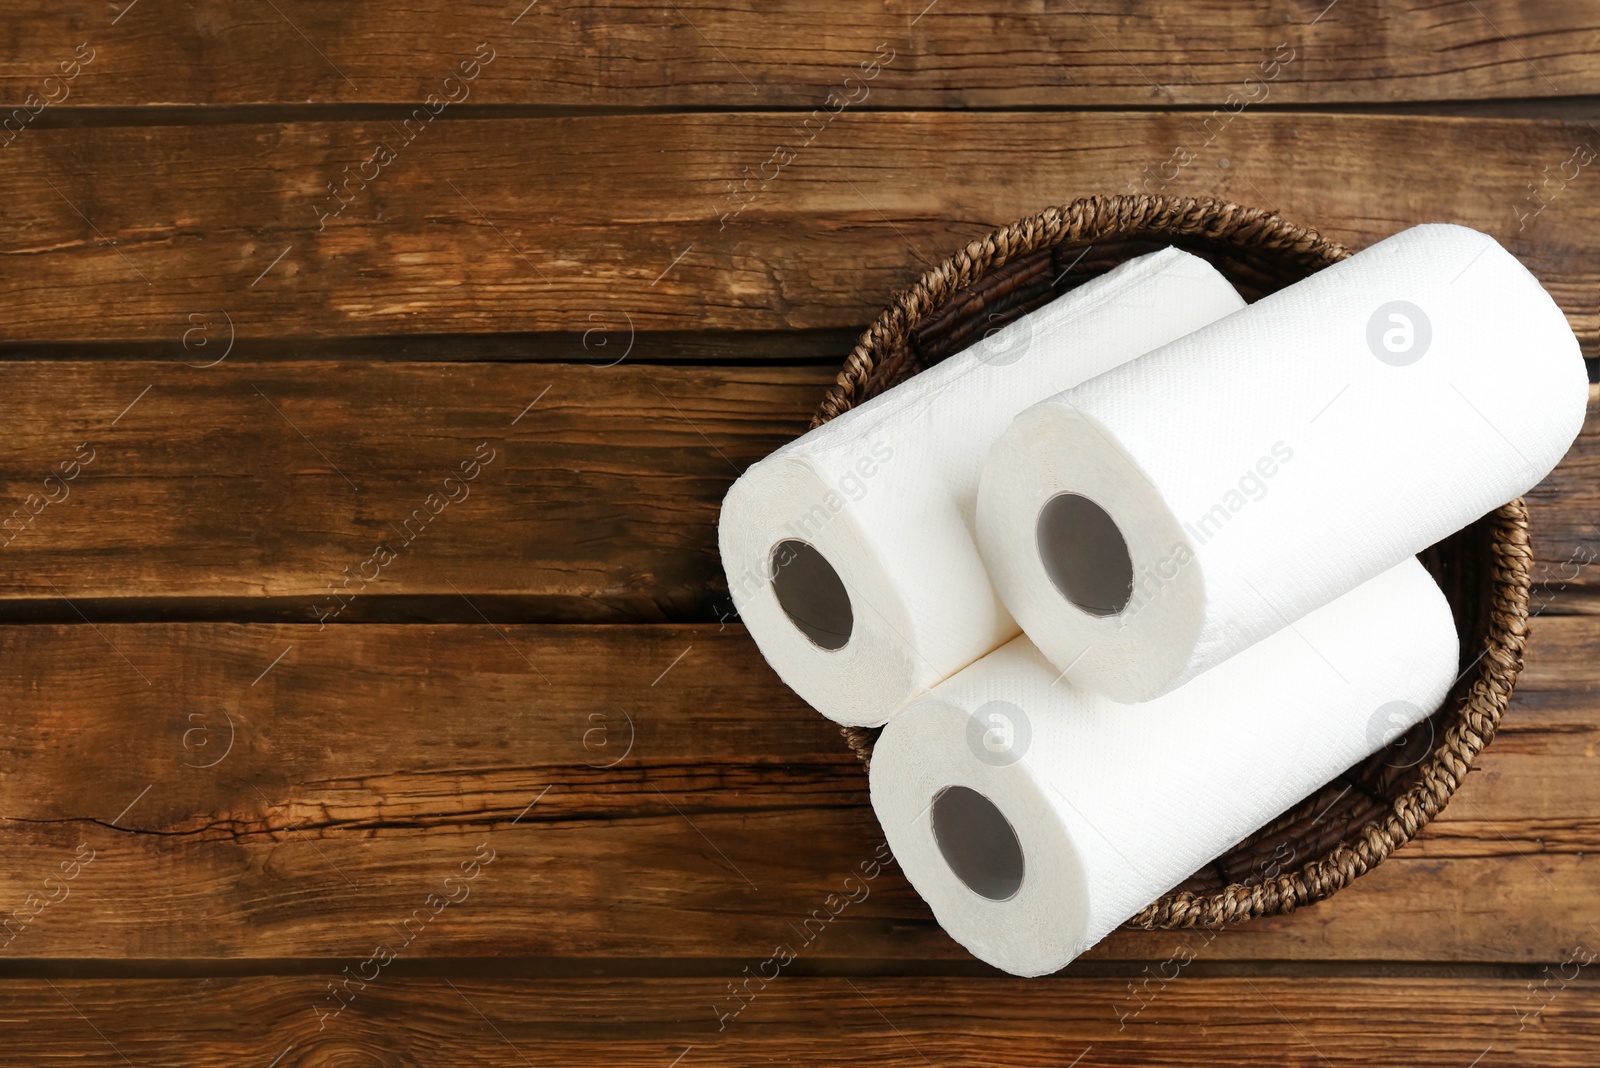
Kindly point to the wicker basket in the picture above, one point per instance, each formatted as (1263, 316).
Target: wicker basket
(1350, 825)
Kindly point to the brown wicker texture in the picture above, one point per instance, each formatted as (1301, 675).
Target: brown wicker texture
(1348, 827)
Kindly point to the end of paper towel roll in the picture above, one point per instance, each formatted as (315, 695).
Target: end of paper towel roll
(986, 846)
(1094, 564)
(859, 662)
(811, 594)
(978, 842)
(1084, 553)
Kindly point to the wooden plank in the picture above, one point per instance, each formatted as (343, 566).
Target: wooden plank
(368, 764)
(596, 497)
(241, 491)
(959, 53)
(1563, 509)
(626, 224)
(1244, 1021)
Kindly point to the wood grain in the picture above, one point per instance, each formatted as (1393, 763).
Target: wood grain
(598, 501)
(688, 806)
(623, 225)
(791, 54)
(1261, 1021)
(265, 289)
(242, 491)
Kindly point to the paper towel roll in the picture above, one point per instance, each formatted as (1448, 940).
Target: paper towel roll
(849, 551)
(1151, 523)
(1035, 817)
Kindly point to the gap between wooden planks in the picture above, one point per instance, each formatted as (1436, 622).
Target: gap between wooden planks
(624, 224)
(942, 53)
(242, 491)
(638, 792)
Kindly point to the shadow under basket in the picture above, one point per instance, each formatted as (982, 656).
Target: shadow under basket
(1347, 827)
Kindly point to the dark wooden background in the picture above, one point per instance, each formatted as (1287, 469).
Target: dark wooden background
(533, 756)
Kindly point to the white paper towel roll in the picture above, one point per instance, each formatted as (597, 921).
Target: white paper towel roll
(1035, 817)
(862, 528)
(1151, 523)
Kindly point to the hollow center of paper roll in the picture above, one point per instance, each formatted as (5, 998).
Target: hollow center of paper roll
(811, 594)
(1085, 554)
(977, 842)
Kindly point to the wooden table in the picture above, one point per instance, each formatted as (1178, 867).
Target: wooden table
(372, 376)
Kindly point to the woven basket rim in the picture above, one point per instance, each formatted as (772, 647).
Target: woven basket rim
(1471, 714)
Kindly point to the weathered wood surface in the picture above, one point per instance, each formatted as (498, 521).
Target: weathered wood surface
(281, 792)
(1269, 1022)
(241, 491)
(575, 826)
(943, 53)
(622, 225)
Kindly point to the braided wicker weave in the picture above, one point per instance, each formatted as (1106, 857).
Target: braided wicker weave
(1348, 827)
